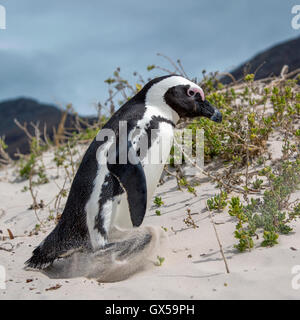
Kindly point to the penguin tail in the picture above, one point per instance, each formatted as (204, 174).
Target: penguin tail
(53, 248)
(41, 258)
(56, 245)
(47, 251)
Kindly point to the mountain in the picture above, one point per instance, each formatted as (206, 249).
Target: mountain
(270, 61)
(28, 110)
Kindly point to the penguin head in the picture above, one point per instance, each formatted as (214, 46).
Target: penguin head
(184, 97)
(188, 100)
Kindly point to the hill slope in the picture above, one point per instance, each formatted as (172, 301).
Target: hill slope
(270, 61)
(27, 110)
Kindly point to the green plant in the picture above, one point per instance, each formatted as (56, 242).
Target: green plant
(87, 134)
(218, 202)
(60, 156)
(241, 233)
(158, 201)
(26, 167)
(42, 177)
(271, 213)
(257, 184)
(270, 239)
(3, 144)
(191, 190)
(160, 261)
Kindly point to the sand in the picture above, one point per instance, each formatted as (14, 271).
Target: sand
(193, 267)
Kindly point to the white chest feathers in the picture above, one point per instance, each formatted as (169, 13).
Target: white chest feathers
(153, 164)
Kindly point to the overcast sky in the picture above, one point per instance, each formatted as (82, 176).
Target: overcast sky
(61, 51)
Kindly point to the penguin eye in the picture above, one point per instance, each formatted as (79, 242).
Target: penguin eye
(191, 93)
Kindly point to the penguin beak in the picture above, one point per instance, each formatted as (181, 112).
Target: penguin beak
(217, 116)
(210, 112)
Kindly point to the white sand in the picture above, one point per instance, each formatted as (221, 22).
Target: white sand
(193, 267)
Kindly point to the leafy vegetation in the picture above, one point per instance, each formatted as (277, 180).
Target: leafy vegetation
(158, 201)
(218, 202)
(272, 214)
(160, 261)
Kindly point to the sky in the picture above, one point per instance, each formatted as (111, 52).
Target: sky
(61, 51)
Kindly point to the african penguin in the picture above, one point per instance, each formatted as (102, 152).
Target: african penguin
(106, 194)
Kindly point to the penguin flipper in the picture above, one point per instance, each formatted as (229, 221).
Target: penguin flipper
(132, 178)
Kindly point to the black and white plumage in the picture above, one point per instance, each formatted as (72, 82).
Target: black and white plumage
(105, 195)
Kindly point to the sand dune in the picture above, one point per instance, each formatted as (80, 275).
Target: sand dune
(193, 267)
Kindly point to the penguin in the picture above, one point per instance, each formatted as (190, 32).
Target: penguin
(115, 194)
